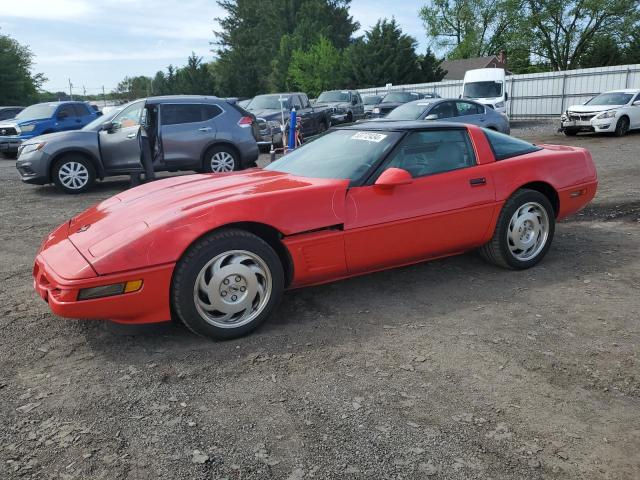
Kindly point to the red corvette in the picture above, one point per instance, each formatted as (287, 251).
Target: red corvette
(217, 250)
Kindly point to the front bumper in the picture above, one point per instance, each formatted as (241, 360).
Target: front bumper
(339, 118)
(597, 125)
(34, 167)
(60, 272)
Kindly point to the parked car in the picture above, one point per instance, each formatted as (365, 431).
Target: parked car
(272, 113)
(7, 113)
(184, 133)
(616, 112)
(43, 118)
(345, 105)
(487, 86)
(217, 252)
(395, 99)
(244, 103)
(370, 102)
(451, 110)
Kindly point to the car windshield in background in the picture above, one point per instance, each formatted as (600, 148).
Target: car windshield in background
(326, 97)
(504, 146)
(341, 154)
(618, 98)
(399, 97)
(35, 112)
(408, 111)
(267, 102)
(482, 89)
(371, 100)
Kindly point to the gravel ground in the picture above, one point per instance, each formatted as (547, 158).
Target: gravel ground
(451, 369)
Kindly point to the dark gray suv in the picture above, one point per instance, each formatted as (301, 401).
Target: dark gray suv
(182, 132)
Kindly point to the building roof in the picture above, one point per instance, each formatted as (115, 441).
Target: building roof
(457, 68)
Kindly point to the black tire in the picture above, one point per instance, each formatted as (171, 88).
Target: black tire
(221, 154)
(322, 127)
(350, 117)
(570, 132)
(189, 267)
(497, 250)
(622, 127)
(68, 163)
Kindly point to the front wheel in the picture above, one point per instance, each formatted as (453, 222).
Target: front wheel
(570, 132)
(524, 231)
(622, 127)
(227, 284)
(73, 174)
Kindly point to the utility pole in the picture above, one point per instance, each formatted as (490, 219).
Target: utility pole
(70, 89)
(84, 91)
(104, 97)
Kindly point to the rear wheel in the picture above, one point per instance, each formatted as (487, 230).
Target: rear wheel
(227, 284)
(73, 174)
(220, 159)
(524, 231)
(622, 127)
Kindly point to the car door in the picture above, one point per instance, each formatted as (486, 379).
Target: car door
(184, 133)
(66, 118)
(303, 116)
(120, 144)
(446, 209)
(634, 112)
(358, 107)
(83, 113)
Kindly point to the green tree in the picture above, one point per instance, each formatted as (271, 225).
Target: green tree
(563, 31)
(131, 88)
(317, 68)
(430, 67)
(384, 55)
(194, 78)
(17, 84)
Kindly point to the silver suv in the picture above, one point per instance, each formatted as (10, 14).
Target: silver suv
(182, 132)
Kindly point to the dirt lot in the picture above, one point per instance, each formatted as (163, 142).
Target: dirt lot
(452, 369)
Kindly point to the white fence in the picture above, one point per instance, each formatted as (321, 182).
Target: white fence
(537, 95)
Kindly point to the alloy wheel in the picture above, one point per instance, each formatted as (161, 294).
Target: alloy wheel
(222, 162)
(73, 175)
(528, 231)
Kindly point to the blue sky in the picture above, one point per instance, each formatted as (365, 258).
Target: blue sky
(97, 42)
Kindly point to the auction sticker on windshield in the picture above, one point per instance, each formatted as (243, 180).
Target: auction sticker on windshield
(369, 136)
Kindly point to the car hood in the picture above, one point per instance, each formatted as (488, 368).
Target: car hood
(389, 104)
(179, 207)
(68, 136)
(269, 114)
(592, 108)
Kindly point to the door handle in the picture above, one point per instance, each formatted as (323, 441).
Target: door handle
(132, 135)
(204, 129)
(477, 182)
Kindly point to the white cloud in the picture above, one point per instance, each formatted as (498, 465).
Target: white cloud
(48, 9)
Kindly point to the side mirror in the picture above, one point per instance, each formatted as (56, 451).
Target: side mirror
(354, 101)
(431, 116)
(108, 127)
(459, 96)
(636, 103)
(392, 177)
(506, 95)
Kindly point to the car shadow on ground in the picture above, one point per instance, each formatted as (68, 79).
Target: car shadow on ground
(357, 308)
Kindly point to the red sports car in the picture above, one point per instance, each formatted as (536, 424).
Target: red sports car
(216, 251)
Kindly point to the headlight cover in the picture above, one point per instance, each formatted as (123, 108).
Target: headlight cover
(609, 114)
(499, 105)
(28, 128)
(31, 147)
(376, 110)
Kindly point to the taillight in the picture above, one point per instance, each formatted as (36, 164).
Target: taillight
(245, 122)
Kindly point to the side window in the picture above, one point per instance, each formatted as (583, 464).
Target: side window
(467, 108)
(129, 117)
(210, 111)
(178, 113)
(434, 151)
(444, 110)
(81, 110)
(66, 111)
(295, 102)
(505, 146)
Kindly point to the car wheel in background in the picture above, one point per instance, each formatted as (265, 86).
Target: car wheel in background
(524, 231)
(622, 127)
(73, 173)
(570, 132)
(227, 284)
(221, 159)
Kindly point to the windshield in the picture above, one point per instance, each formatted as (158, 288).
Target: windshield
(95, 125)
(400, 97)
(489, 89)
(34, 112)
(268, 102)
(341, 154)
(616, 98)
(409, 111)
(371, 100)
(335, 96)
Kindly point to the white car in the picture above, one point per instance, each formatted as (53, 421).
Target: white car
(617, 111)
